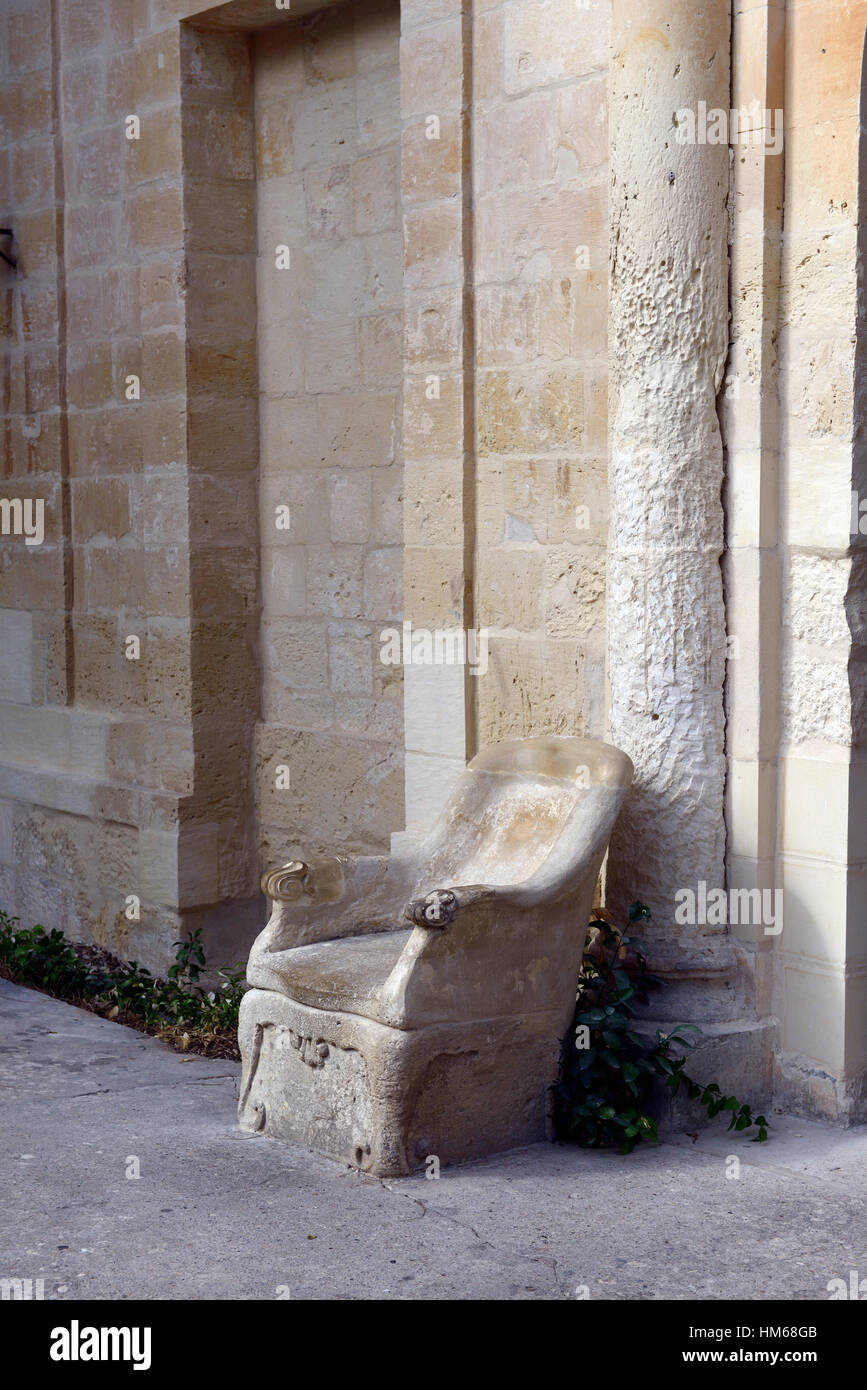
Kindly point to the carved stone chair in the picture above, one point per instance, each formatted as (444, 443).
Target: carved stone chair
(403, 1007)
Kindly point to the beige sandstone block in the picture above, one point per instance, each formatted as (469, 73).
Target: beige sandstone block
(223, 438)
(488, 53)
(159, 214)
(96, 164)
(281, 371)
(328, 194)
(157, 71)
(433, 509)
(335, 581)
(218, 216)
(540, 235)
(112, 580)
(507, 324)
(157, 153)
(330, 356)
(307, 495)
(278, 58)
(383, 583)
(433, 579)
(158, 293)
(219, 143)
(432, 168)
(548, 41)
(90, 378)
(33, 174)
(387, 490)
(350, 506)
(517, 145)
(824, 42)
(16, 669)
(163, 365)
(216, 67)
(357, 431)
(375, 194)
(433, 428)
(284, 581)
(100, 507)
(521, 413)
(324, 126)
(557, 500)
(582, 140)
(27, 105)
(227, 372)
(329, 46)
(511, 588)
(28, 40)
(350, 662)
(574, 586)
(531, 688)
(383, 272)
(297, 650)
(431, 68)
(377, 105)
(380, 358)
(432, 237)
(36, 234)
(433, 329)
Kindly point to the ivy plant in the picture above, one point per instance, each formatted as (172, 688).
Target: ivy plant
(607, 1069)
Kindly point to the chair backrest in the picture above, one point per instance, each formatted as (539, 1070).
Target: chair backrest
(519, 809)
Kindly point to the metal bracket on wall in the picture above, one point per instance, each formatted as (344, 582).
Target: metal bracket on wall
(7, 231)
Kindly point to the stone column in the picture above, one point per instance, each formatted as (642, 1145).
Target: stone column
(666, 615)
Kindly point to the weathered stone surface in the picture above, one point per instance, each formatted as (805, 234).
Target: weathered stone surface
(383, 1043)
(666, 619)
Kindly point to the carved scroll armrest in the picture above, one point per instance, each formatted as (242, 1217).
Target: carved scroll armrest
(320, 880)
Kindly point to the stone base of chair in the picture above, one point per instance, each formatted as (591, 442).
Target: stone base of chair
(383, 1099)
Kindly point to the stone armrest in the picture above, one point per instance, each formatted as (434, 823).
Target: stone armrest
(328, 896)
(317, 880)
(439, 908)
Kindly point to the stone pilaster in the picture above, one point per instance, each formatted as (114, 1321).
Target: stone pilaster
(666, 615)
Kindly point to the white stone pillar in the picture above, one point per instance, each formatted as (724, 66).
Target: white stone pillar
(666, 615)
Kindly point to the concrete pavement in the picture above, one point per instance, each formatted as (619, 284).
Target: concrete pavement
(217, 1213)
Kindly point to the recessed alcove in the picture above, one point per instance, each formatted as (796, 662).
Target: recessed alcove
(326, 101)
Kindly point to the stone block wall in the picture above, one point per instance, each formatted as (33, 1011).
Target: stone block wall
(505, 214)
(308, 338)
(330, 297)
(540, 182)
(820, 989)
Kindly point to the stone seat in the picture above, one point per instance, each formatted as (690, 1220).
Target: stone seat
(348, 974)
(384, 1044)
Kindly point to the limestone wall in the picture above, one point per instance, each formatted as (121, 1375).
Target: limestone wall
(821, 981)
(308, 337)
(327, 110)
(505, 214)
(540, 181)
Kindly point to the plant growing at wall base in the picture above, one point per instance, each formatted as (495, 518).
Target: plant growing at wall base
(178, 1008)
(607, 1070)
